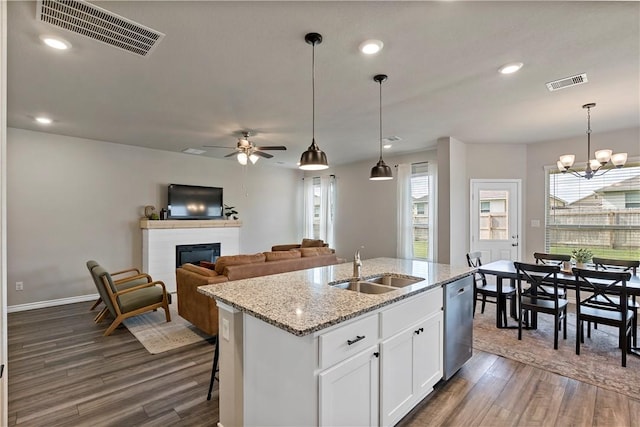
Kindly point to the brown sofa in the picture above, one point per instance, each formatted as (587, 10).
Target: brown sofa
(306, 243)
(202, 311)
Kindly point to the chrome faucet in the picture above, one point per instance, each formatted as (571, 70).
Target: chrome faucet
(357, 265)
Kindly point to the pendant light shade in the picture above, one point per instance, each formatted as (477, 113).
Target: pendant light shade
(380, 172)
(313, 158)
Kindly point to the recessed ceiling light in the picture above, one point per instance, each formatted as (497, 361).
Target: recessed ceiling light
(510, 68)
(370, 47)
(387, 146)
(55, 42)
(193, 151)
(44, 120)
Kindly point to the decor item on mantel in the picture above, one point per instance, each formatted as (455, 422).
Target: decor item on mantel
(594, 166)
(581, 255)
(229, 211)
(380, 172)
(313, 158)
(150, 212)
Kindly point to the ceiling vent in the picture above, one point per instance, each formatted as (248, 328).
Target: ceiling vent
(99, 24)
(578, 79)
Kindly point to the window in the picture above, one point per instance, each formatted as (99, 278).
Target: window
(319, 203)
(601, 214)
(485, 206)
(420, 208)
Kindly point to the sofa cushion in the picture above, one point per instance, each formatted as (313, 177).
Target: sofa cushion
(229, 260)
(311, 243)
(280, 255)
(325, 250)
(200, 270)
(307, 252)
(207, 264)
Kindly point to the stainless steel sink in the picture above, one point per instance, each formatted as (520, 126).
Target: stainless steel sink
(363, 287)
(394, 280)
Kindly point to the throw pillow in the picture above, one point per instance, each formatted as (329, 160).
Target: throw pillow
(311, 243)
(280, 255)
(225, 261)
(207, 264)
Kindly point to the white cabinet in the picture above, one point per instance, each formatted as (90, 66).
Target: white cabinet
(411, 364)
(349, 391)
(379, 387)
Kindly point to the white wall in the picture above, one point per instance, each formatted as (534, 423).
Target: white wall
(72, 199)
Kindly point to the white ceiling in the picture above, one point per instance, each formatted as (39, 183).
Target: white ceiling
(225, 67)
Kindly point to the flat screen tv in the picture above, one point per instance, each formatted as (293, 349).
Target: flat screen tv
(194, 202)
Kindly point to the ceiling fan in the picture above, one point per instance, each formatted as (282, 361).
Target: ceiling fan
(246, 150)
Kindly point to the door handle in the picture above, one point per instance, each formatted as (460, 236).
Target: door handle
(514, 244)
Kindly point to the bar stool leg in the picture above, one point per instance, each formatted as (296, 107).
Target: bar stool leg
(214, 368)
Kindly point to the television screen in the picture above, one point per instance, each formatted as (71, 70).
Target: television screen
(194, 202)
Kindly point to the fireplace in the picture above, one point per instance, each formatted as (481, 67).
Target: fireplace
(196, 253)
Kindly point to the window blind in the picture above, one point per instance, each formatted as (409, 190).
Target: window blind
(601, 214)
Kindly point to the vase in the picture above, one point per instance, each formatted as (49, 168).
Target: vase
(579, 264)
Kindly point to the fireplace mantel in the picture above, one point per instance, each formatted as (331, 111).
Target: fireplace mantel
(188, 223)
(160, 238)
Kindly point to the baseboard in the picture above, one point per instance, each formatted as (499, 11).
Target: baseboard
(51, 303)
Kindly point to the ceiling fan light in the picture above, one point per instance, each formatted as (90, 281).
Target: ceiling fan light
(603, 156)
(242, 158)
(619, 159)
(381, 172)
(254, 158)
(313, 159)
(594, 164)
(561, 167)
(567, 160)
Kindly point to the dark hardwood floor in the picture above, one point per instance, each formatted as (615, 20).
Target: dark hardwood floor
(63, 372)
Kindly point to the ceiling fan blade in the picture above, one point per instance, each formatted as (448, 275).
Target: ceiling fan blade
(272, 147)
(261, 154)
(231, 154)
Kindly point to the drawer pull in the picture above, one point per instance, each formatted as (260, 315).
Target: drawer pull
(417, 331)
(376, 354)
(358, 338)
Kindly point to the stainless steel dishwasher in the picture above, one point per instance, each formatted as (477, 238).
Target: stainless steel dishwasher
(458, 324)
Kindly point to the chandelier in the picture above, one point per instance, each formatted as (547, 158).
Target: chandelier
(594, 166)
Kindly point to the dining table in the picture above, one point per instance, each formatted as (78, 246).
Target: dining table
(504, 269)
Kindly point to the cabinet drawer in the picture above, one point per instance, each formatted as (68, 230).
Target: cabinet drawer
(347, 340)
(404, 314)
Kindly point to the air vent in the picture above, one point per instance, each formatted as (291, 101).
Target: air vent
(98, 24)
(567, 82)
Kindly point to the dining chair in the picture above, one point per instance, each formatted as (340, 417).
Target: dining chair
(609, 264)
(550, 259)
(487, 287)
(597, 305)
(542, 296)
(125, 303)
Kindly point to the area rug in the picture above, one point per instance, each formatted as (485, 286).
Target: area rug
(157, 335)
(599, 362)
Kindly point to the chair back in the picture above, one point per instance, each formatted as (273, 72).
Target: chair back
(600, 285)
(92, 266)
(474, 261)
(616, 264)
(551, 259)
(106, 288)
(542, 278)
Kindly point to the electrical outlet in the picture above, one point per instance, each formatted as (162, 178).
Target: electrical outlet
(19, 286)
(225, 329)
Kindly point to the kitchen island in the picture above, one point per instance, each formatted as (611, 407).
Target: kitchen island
(296, 351)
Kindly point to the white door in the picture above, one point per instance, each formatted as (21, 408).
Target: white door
(3, 212)
(495, 219)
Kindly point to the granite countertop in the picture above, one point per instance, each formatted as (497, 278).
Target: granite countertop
(302, 302)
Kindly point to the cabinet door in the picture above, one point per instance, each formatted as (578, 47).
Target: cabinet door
(428, 354)
(411, 364)
(349, 391)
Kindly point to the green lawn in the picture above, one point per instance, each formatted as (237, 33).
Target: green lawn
(631, 254)
(420, 249)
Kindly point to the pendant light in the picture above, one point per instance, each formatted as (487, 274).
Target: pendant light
(601, 157)
(380, 172)
(314, 158)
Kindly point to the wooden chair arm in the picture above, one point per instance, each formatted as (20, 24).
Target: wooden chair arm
(144, 285)
(129, 270)
(130, 278)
